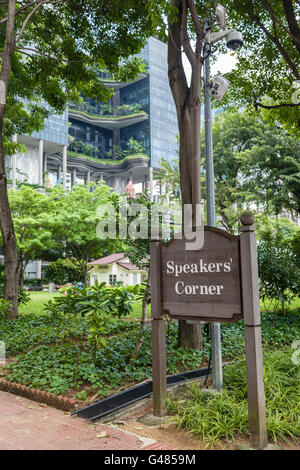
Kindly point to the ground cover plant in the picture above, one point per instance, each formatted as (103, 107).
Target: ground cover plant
(224, 415)
(52, 351)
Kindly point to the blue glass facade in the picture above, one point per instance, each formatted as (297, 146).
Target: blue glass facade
(100, 139)
(158, 134)
(163, 117)
(55, 129)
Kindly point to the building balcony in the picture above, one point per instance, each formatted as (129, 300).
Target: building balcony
(111, 83)
(97, 164)
(111, 122)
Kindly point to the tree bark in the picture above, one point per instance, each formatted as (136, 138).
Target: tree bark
(190, 336)
(188, 102)
(6, 222)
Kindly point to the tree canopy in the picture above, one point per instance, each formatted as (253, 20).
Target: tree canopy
(268, 63)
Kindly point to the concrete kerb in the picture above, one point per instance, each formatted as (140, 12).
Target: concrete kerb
(145, 405)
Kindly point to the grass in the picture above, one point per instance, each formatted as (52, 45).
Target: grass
(38, 299)
(224, 415)
(37, 302)
(269, 305)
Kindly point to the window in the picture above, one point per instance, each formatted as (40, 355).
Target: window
(112, 279)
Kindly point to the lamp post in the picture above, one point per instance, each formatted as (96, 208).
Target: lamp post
(217, 370)
(234, 41)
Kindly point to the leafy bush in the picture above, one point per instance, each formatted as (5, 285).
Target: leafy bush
(56, 357)
(64, 270)
(98, 304)
(115, 301)
(279, 271)
(225, 415)
(4, 309)
(23, 297)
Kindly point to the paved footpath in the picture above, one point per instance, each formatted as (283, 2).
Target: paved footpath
(25, 425)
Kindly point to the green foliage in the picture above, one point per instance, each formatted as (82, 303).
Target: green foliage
(61, 51)
(76, 218)
(53, 353)
(23, 297)
(254, 162)
(4, 308)
(279, 271)
(98, 304)
(99, 298)
(134, 147)
(268, 63)
(224, 415)
(64, 270)
(32, 214)
(169, 173)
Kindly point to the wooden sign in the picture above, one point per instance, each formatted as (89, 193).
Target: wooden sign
(217, 283)
(203, 284)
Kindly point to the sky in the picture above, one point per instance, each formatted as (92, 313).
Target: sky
(224, 64)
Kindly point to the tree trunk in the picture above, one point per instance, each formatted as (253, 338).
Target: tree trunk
(21, 275)
(188, 103)
(140, 339)
(9, 245)
(190, 336)
(6, 222)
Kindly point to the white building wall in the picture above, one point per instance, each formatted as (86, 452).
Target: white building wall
(128, 278)
(28, 165)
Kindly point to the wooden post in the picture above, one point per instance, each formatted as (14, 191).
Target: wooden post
(254, 358)
(159, 373)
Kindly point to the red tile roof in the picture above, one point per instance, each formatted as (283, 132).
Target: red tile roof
(129, 266)
(107, 259)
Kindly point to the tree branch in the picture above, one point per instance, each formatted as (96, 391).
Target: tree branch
(24, 7)
(278, 44)
(274, 17)
(197, 24)
(26, 21)
(57, 59)
(177, 77)
(276, 106)
(184, 34)
(292, 22)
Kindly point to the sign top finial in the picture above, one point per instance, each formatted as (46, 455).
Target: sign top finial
(247, 218)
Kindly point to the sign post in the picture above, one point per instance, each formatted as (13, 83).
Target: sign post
(218, 283)
(158, 332)
(254, 359)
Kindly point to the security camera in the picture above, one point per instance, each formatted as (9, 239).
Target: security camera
(221, 16)
(219, 87)
(234, 40)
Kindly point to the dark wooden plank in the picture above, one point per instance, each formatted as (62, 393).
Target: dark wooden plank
(159, 373)
(202, 283)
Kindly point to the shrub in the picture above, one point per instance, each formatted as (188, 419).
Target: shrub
(279, 271)
(23, 297)
(98, 304)
(64, 270)
(4, 308)
(225, 415)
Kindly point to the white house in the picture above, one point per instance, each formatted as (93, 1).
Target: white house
(115, 269)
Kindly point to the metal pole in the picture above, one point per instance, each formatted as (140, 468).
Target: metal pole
(210, 208)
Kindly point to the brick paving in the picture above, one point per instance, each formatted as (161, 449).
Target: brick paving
(25, 425)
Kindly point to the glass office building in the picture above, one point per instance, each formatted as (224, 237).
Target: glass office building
(163, 117)
(55, 129)
(154, 126)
